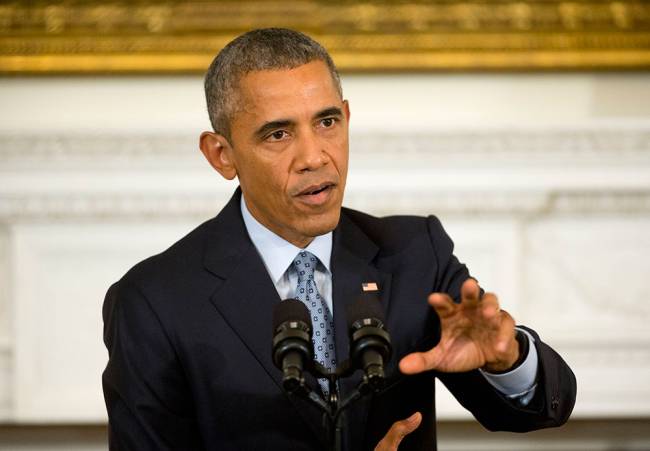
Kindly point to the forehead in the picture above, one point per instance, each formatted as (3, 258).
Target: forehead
(269, 94)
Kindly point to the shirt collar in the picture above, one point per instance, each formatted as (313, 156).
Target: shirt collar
(276, 252)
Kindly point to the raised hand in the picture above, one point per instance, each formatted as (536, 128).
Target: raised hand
(475, 333)
(398, 431)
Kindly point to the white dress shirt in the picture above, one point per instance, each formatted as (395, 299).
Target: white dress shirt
(278, 254)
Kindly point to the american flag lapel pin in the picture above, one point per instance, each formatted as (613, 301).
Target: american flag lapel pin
(369, 286)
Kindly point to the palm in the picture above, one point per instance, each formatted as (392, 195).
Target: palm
(466, 342)
(474, 334)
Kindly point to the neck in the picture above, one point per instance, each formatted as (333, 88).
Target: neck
(297, 240)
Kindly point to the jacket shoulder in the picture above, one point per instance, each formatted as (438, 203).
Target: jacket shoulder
(179, 261)
(398, 232)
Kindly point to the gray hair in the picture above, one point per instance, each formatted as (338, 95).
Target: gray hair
(261, 49)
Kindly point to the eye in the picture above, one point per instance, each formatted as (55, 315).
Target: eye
(328, 122)
(277, 135)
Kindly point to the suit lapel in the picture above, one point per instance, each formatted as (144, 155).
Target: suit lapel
(352, 265)
(247, 296)
(246, 300)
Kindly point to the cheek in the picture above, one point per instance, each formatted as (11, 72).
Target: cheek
(274, 180)
(340, 156)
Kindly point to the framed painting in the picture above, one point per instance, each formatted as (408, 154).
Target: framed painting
(166, 36)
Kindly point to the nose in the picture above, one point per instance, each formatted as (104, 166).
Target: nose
(311, 153)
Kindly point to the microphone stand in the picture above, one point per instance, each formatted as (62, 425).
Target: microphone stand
(333, 409)
(370, 348)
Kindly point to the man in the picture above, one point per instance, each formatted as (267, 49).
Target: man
(189, 330)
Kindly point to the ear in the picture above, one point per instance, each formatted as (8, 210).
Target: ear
(218, 151)
(346, 110)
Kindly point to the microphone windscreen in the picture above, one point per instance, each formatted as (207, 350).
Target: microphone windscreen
(290, 310)
(366, 306)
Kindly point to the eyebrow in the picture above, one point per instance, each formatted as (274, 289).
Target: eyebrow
(332, 111)
(269, 126)
(284, 123)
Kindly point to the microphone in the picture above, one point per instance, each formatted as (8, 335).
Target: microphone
(292, 347)
(369, 341)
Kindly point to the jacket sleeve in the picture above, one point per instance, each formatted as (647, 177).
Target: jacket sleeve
(148, 399)
(556, 384)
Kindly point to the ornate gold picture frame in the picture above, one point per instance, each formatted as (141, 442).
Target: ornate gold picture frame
(158, 36)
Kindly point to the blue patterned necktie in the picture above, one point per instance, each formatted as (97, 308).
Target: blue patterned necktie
(321, 318)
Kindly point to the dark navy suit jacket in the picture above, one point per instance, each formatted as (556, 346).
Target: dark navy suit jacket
(189, 333)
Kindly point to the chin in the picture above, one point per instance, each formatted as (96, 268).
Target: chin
(322, 224)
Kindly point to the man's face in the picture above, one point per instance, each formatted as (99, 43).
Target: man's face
(289, 147)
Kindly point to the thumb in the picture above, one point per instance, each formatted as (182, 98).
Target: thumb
(398, 431)
(417, 362)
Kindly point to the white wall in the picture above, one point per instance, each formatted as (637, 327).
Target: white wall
(543, 180)
(394, 103)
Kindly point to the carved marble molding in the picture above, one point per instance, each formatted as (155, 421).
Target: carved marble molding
(383, 180)
(97, 151)
(169, 206)
(107, 206)
(501, 202)
(100, 150)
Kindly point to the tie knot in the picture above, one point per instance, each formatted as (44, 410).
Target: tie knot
(305, 264)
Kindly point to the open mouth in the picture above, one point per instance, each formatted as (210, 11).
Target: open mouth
(317, 195)
(315, 190)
